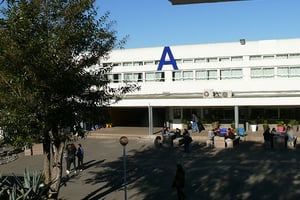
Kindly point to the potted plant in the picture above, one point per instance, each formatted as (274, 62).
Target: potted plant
(280, 126)
(232, 124)
(265, 124)
(253, 125)
(215, 124)
(294, 124)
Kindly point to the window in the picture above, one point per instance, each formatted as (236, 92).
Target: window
(281, 56)
(187, 60)
(127, 64)
(107, 64)
(268, 57)
(155, 76)
(201, 75)
(294, 71)
(288, 71)
(115, 78)
(212, 74)
(224, 59)
(177, 113)
(262, 73)
(294, 55)
(199, 60)
(177, 76)
(133, 77)
(212, 59)
(255, 57)
(231, 74)
(187, 75)
(282, 72)
(237, 58)
(178, 60)
(148, 62)
(140, 63)
(116, 64)
(207, 75)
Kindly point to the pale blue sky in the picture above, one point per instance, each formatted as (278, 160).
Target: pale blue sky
(152, 23)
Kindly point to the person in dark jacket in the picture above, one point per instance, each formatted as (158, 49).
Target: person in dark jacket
(178, 182)
(71, 153)
(80, 154)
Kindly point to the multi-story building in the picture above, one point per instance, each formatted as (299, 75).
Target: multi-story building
(237, 81)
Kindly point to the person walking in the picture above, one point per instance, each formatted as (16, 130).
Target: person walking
(195, 122)
(71, 151)
(187, 139)
(80, 154)
(178, 182)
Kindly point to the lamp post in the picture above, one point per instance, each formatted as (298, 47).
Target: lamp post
(124, 142)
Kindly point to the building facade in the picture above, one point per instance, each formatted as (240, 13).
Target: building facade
(225, 82)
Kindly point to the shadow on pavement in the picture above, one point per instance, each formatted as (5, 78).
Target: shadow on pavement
(248, 171)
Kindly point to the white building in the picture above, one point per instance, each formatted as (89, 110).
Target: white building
(237, 81)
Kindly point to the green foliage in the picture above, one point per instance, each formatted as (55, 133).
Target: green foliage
(293, 122)
(185, 121)
(215, 124)
(48, 79)
(265, 122)
(280, 123)
(31, 187)
(46, 49)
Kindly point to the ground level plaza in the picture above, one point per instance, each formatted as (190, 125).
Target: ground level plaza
(248, 171)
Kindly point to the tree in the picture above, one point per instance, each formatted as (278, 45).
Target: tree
(47, 48)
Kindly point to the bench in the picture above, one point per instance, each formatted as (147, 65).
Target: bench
(230, 143)
(220, 142)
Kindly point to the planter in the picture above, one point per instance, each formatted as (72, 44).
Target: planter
(215, 124)
(296, 128)
(253, 127)
(280, 129)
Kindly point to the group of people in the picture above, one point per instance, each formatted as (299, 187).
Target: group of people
(228, 134)
(185, 137)
(71, 153)
(288, 134)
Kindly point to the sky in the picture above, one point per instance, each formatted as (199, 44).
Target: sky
(155, 23)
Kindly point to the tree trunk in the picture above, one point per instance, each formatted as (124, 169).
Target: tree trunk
(46, 147)
(56, 170)
(53, 156)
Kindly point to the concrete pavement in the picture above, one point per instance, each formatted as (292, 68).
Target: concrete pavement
(248, 171)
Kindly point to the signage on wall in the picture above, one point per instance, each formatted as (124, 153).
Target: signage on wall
(163, 61)
(209, 93)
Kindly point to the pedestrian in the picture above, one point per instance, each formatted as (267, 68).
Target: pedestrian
(80, 154)
(178, 182)
(195, 122)
(187, 139)
(71, 151)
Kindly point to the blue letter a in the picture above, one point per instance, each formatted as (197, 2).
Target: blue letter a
(163, 60)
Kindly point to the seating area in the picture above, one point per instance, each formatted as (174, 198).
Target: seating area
(221, 142)
(217, 139)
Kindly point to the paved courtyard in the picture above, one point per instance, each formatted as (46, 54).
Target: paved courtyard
(248, 171)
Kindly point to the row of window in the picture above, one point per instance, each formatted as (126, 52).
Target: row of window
(209, 60)
(210, 74)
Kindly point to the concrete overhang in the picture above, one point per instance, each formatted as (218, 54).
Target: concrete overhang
(176, 2)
